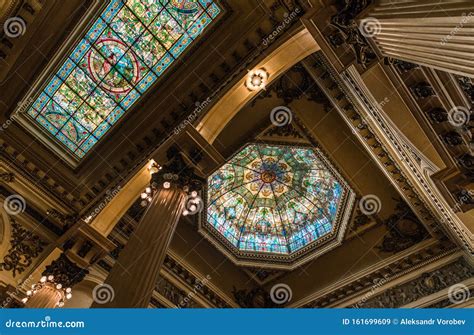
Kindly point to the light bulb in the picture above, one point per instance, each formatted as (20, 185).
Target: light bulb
(43, 279)
(28, 293)
(59, 286)
(24, 300)
(50, 277)
(256, 80)
(166, 184)
(68, 290)
(193, 208)
(194, 194)
(185, 212)
(148, 190)
(144, 195)
(68, 296)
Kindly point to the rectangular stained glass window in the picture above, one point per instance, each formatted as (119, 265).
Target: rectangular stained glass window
(130, 44)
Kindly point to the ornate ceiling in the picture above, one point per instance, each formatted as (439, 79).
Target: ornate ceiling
(371, 126)
(126, 49)
(275, 203)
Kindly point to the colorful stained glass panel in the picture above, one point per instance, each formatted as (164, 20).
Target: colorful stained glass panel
(127, 48)
(273, 199)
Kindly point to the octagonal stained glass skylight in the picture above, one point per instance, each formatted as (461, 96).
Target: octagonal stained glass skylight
(275, 203)
(125, 50)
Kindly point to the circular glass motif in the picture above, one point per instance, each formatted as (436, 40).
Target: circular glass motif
(185, 6)
(113, 66)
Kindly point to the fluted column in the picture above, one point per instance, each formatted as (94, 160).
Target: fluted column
(135, 274)
(432, 33)
(55, 286)
(46, 297)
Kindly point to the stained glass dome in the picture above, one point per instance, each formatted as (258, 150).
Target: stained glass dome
(274, 199)
(125, 50)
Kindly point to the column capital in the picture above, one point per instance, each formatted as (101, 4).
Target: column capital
(178, 171)
(65, 272)
(345, 20)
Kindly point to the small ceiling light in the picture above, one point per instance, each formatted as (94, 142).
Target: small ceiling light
(43, 279)
(148, 190)
(194, 194)
(256, 80)
(166, 184)
(144, 195)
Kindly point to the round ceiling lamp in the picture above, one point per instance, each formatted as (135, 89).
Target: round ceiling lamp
(256, 79)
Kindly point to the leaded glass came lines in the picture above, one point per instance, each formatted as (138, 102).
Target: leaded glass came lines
(273, 199)
(124, 52)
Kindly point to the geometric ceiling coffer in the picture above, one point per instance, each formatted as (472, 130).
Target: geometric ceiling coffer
(125, 50)
(276, 206)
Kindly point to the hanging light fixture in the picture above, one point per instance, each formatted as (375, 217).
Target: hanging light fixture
(66, 293)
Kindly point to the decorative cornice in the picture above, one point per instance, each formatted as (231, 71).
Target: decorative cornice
(22, 167)
(402, 66)
(7, 177)
(393, 268)
(174, 294)
(427, 283)
(444, 110)
(66, 220)
(406, 159)
(467, 85)
(448, 302)
(356, 108)
(22, 13)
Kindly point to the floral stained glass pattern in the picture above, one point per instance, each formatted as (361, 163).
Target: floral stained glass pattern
(127, 48)
(273, 199)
